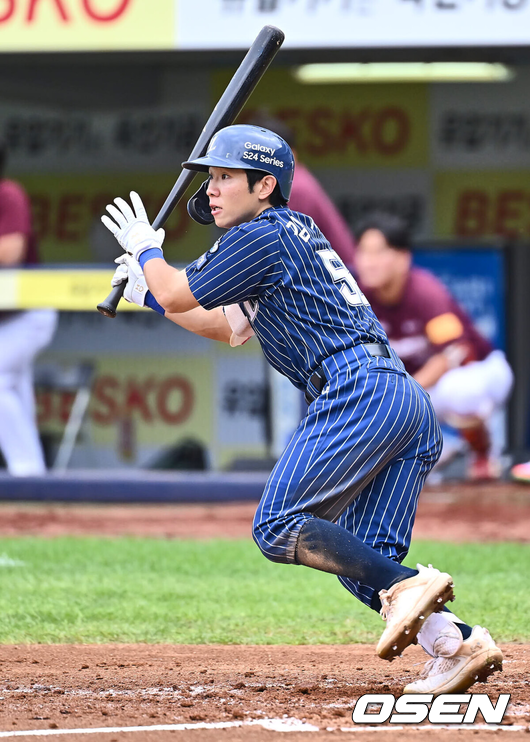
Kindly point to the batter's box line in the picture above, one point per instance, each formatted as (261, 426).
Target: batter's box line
(437, 727)
(274, 725)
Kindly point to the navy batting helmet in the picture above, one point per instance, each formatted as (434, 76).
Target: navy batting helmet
(250, 148)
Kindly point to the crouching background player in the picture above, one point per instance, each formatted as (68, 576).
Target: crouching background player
(466, 378)
(343, 495)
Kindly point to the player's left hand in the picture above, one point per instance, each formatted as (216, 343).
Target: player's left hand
(132, 228)
(131, 271)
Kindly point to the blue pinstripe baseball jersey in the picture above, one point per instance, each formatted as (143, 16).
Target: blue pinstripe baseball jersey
(360, 456)
(303, 303)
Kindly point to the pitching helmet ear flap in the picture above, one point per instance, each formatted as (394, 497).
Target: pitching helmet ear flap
(199, 206)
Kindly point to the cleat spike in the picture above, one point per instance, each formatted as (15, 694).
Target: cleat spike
(438, 600)
(476, 677)
(420, 618)
(407, 631)
(394, 647)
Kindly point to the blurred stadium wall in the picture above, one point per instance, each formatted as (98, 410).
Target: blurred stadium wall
(98, 97)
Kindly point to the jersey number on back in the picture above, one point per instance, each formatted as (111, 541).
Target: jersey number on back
(342, 277)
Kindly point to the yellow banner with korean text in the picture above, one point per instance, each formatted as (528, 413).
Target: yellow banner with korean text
(69, 290)
(67, 213)
(345, 125)
(144, 404)
(140, 402)
(483, 204)
(86, 25)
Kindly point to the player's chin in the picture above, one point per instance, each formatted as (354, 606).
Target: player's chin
(223, 221)
(218, 218)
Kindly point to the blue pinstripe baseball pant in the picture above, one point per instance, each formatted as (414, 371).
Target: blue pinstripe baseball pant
(359, 458)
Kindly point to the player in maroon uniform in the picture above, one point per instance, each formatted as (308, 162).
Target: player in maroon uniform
(466, 378)
(22, 336)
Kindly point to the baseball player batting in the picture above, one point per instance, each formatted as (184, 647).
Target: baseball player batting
(343, 495)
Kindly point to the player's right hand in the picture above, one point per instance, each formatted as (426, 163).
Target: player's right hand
(131, 271)
(132, 228)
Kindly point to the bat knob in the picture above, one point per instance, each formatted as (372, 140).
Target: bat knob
(109, 306)
(107, 309)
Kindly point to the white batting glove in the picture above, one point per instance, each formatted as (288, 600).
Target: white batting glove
(132, 228)
(130, 270)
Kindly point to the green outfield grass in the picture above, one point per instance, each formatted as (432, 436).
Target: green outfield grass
(150, 590)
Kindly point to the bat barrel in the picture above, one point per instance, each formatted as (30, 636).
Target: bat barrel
(236, 94)
(230, 104)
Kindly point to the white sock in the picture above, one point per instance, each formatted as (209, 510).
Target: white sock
(439, 636)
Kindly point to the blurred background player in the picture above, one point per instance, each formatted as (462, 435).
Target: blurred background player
(308, 196)
(22, 336)
(467, 379)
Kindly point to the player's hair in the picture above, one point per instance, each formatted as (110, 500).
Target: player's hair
(254, 176)
(3, 157)
(394, 229)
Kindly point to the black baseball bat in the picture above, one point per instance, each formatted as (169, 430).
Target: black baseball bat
(238, 91)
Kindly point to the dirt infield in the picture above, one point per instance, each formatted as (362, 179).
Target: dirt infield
(487, 512)
(104, 686)
(242, 688)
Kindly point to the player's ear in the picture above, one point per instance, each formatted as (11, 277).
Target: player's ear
(267, 186)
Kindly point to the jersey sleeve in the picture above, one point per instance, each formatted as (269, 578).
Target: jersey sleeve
(440, 313)
(241, 265)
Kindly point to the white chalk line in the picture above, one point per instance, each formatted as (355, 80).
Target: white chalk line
(436, 727)
(274, 725)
